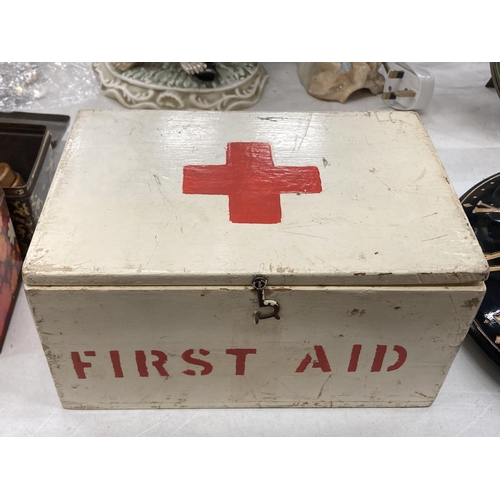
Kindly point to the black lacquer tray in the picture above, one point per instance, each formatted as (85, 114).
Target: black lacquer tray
(56, 124)
(482, 207)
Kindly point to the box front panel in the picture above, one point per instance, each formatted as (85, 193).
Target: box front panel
(162, 347)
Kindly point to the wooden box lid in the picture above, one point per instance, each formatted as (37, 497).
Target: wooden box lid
(213, 198)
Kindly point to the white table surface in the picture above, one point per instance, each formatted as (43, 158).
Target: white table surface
(463, 120)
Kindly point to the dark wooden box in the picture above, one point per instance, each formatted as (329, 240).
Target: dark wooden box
(27, 149)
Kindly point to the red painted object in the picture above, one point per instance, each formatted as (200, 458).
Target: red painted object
(252, 182)
(10, 268)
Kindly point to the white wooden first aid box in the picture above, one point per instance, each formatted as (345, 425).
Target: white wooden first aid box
(191, 259)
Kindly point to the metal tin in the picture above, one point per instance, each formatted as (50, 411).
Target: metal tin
(10, 267)
(27, 149)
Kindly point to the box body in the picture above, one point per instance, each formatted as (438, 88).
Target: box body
(10, 268)
(27, 149)
(143, 298)
(166, 347)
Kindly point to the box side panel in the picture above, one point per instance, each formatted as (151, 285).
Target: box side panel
(168, 347)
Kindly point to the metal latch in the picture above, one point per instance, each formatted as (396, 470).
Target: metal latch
(259, 282)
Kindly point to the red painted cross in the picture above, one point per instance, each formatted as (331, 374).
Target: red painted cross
(251, 181)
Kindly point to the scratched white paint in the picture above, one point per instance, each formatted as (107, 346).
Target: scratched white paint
(124, 269)
(116, 213)
(428, 322)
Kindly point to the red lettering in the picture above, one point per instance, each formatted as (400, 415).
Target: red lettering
(188, 357)
(379, 358)
(80, 365)
(142, 368)
(402, 355)
(304, 364)
(117, 366)
(158, 364)
(320, 362)
(241, 356)
(353, 363)
(140, 359)
(380, 353)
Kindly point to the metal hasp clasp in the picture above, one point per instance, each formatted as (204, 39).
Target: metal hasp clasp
(259, 282)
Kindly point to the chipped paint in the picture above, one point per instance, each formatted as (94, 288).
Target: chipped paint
(472, 304)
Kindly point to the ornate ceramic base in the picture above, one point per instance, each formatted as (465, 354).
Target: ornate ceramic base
(168, 86)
